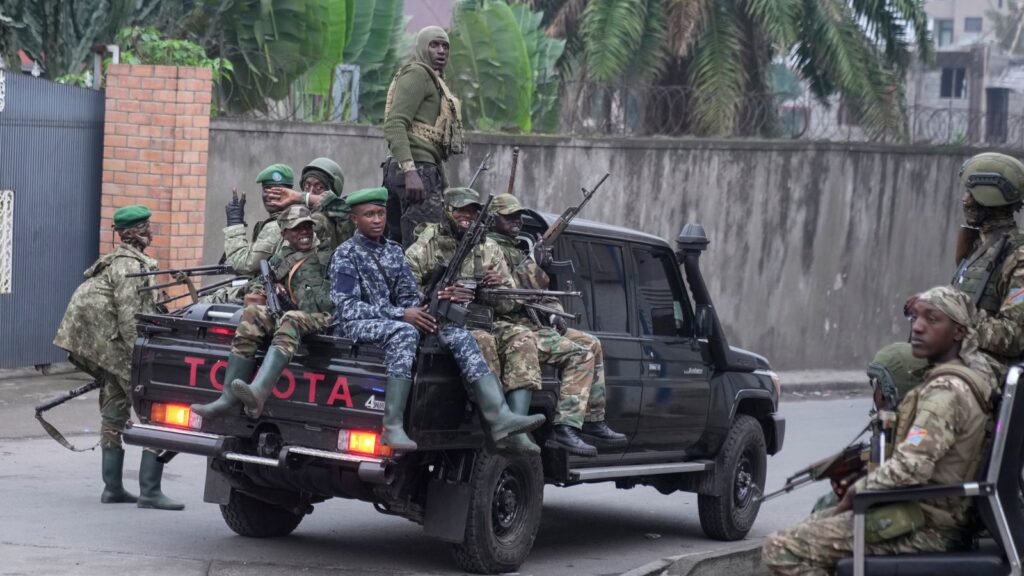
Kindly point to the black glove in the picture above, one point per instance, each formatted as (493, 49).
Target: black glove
(558, 323)
(235, 209)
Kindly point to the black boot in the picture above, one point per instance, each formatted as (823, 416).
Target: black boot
(395, 398)
(607, 437)
(239, 368)
(113, 489)
(519, 403)
(567, 438)
(150, 472)
(494, 411)
(254, 395)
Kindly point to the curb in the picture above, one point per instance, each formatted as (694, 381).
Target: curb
(812, 384)
(40, 371)
(743, 559)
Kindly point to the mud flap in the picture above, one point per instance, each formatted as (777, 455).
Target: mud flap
(447, 508)
(218, 488)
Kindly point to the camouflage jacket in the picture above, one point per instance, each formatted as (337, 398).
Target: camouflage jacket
(99, 323)
(333, 224)
(304, 277)
(435, 245)
(940, 437)
(371, 280)
(244, 255)
(525, 272)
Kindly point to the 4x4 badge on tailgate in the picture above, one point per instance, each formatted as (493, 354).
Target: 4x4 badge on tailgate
(374, 404)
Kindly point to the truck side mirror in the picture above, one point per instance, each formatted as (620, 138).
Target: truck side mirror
(703, 322)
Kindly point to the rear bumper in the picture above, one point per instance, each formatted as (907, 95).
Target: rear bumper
(370, 468)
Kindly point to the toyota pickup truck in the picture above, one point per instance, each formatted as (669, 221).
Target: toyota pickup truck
(701, 416)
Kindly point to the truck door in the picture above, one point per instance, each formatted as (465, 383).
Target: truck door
(675, 378)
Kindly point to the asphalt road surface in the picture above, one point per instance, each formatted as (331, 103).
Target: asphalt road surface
(51, 521)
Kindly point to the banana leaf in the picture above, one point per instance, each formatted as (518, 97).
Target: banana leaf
(321, 76)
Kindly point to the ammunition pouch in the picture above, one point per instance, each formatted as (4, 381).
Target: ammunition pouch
(479, 317)
(892, 521)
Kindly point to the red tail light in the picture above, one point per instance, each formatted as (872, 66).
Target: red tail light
(220, 330)
(176, 415)
(362, 442)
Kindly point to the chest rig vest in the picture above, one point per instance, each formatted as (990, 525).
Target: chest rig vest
(978, 275)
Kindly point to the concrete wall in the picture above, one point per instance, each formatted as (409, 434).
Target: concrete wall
(814, 246)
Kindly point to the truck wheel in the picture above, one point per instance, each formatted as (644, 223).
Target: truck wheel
(504, 513)
(254, 518)
(738, 482)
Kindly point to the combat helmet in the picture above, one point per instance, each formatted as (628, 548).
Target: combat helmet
(993, 179)
(897, 371)
(329, 167)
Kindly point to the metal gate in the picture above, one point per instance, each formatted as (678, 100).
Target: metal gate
(51, 162)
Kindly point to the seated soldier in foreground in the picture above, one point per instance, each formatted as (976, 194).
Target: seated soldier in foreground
(300, 271)
(940, 434)
(376, 301)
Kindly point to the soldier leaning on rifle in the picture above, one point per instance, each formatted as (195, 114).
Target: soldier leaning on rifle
(578, 355)
(98, 332)
(376, 300)
(940, 433)
(300, 269)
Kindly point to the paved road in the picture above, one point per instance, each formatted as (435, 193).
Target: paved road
(51, 521)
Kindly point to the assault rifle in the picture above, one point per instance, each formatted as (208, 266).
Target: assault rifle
(532, 300)
(555, 230)
(184, 276)
(484, 166)
(273, 304)
(57, 401)
(849, 461)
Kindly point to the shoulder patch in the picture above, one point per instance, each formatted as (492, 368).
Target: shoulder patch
(1015, 297)
(916, 436)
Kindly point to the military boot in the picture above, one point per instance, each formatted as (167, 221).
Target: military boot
(254, 395)
(495, 412)
(113, 489)
(239, 368)
(519, 403)
(150, 472)
(567, 438)
(395, 398)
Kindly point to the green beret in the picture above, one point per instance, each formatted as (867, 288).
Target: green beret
(277, 174)
(293, 216)
(128, 216)
(461, 197)
(506, 205)
(368, 196)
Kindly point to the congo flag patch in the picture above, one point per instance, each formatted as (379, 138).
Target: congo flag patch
(916, 436)
(1016, 297)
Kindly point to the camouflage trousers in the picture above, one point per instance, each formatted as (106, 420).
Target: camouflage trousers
(404, 215)
(814, 546)
(115, 402)
(257, 325)
(398, 339)
(580, 360)
(510, 350)
(464, 348)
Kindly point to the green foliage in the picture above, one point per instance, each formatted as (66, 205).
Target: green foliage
(147, 46)
(321, 75)
(544, 53)
(377, 45)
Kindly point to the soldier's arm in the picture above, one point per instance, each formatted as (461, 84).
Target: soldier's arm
(244, 256)
(416, 257)
(128, 301)
(406, 291)
(410, 90)
(1003, 332)
(496, 260)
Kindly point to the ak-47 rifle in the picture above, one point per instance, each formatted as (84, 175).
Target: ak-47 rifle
(556, 229)
(57, 401)
(532, 300)
(848, 462)
(184, 276)
(273, 304)
(483, 167)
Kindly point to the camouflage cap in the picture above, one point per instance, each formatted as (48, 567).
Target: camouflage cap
(293, 216)
(897, 371)
(128, 216)
(953, 303)
(276, 174)
(506, 205)
(993, 179)
(461, 197)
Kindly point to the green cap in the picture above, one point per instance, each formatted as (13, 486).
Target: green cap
(460, 197)
(506, 205)
(897, 371)
(128, 216)
(293, 216)
(368, 196)
(277, 174)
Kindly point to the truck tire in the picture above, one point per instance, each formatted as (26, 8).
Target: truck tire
(254, 518)
(504, 513)
(738, 481)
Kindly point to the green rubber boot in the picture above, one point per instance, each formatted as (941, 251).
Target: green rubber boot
(396, 396)
(519, 403)
(239, 368)
(150, 472)
(254, 395)
(113, 489)
(495, 412)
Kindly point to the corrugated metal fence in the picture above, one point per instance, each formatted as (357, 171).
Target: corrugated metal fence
(51, 161)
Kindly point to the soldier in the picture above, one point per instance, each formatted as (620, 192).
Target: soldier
(578, 355)
(242, 254)
(509, 348)
(940, 433)
(322, 183)
(376, 301)
(423, 127)
(300, 267)
(98, 332)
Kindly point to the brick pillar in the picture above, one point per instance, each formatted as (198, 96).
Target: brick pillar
(155, 144)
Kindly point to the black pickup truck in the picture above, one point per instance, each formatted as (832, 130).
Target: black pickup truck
(701, 416)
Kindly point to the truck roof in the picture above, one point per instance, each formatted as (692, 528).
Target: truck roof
(592, 228)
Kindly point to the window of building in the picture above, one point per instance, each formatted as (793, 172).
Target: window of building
(944, 32)
(972, 25)
(953, 83)
(663, 311)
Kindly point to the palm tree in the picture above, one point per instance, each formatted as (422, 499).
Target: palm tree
(721, 51)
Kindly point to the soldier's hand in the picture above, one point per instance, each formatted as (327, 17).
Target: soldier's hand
(414, 191)
(491, 278)
(559, 324)
(419, 318)
(909, 304)
(847, 502)
(542, 256)
(280, 197)
(459, 294)
(235, 208)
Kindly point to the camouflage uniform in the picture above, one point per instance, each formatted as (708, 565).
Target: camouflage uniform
(940, 433)
(244, 255)
(510, 349)
(98, 330)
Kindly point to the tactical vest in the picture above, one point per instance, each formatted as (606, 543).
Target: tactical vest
(446, 134)
(302, 272)
(971, 278)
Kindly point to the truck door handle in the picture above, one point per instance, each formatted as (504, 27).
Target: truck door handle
(654, 368)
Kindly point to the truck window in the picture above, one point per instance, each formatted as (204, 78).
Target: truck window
(662, 307)
(600, 267)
